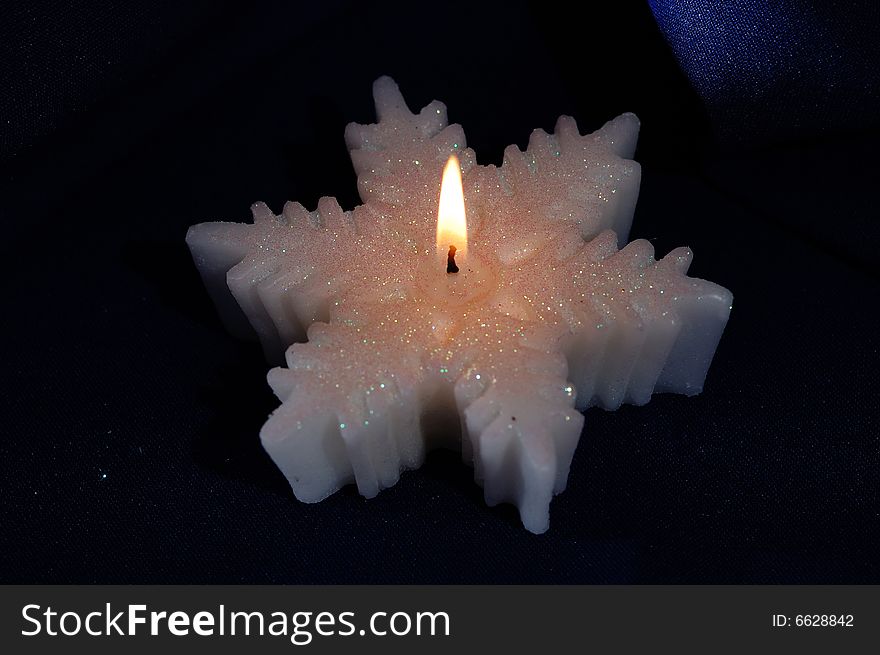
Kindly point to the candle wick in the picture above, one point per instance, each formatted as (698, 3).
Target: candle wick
(450, 261)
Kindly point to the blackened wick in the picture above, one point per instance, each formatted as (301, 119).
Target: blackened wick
(450, 261)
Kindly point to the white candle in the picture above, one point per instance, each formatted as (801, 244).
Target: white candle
(392, 355)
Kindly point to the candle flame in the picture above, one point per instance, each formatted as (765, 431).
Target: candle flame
(451, 223)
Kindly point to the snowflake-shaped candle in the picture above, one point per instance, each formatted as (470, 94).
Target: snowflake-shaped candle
(389, 352)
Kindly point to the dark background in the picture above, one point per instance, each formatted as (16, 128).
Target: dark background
(129, 446)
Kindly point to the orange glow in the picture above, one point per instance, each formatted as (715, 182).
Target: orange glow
(451, 223)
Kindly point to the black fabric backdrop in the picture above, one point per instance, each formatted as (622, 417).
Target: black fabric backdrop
(129, 447)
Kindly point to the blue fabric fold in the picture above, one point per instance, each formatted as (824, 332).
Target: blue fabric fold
(777, 70)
